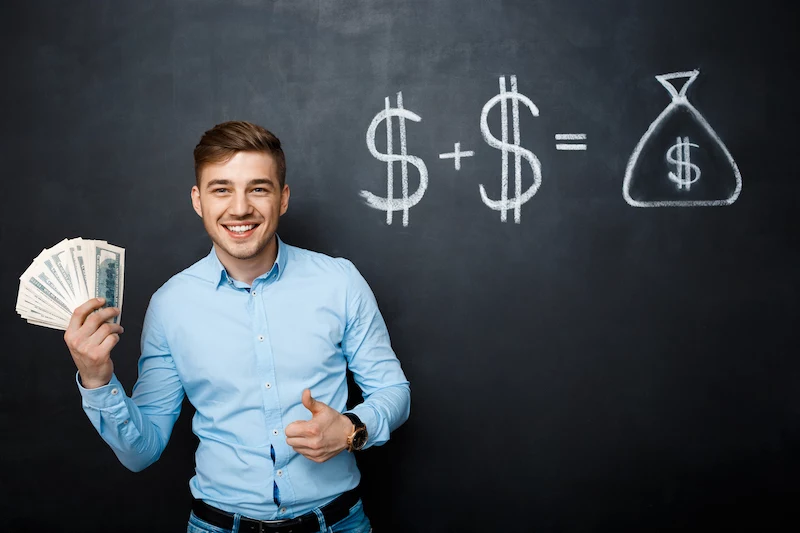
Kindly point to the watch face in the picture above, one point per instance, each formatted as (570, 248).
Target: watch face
(359, 439)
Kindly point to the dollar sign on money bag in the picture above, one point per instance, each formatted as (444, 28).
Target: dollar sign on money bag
(680, 160)
(505, 204)
(390, 204)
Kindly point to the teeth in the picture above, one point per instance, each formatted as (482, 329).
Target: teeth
(241, 229)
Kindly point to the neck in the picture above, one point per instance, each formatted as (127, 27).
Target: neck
(247, 270)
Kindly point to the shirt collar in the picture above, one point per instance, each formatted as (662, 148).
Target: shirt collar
(216, 272)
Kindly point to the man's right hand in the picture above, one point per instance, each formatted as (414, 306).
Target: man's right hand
(90, 340)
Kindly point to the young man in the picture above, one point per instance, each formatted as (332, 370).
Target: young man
(258, 335)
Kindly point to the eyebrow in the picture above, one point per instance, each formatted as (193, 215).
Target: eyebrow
(260, 181)
(227, 182)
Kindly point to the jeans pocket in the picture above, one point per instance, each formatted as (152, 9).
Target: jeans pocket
(355, 522)
(200, 526)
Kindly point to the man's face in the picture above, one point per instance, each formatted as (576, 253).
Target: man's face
(240, 202)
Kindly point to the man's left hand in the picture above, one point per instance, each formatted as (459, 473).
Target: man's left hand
(322, 437)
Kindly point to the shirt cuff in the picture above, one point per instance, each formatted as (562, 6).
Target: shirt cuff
(105, 397)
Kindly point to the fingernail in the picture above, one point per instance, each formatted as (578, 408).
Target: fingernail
(101, 300)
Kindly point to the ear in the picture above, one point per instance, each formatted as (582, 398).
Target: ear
(284, 199)
(198, 207)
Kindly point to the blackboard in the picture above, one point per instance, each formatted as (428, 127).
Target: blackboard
(595, 367)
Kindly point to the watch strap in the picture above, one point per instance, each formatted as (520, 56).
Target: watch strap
(355, 420)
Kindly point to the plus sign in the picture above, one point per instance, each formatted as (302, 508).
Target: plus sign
(457, 154)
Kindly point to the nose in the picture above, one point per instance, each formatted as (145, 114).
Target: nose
(240, 205)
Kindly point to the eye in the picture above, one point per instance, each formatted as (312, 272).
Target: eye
(259, 190)
(220, 190)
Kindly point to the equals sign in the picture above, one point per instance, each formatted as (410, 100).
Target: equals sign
(571, 137)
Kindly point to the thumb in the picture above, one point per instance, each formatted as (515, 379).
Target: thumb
(310, 403)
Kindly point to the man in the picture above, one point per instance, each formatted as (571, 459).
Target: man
(258, 335)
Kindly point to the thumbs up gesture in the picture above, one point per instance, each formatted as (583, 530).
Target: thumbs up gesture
(322, 437)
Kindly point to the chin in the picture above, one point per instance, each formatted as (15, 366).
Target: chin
(244, 251)
(240, 252)
(244, 256)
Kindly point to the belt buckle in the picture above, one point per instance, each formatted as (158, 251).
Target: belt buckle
(264, 526)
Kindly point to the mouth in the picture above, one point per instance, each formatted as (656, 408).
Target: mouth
(240, 231)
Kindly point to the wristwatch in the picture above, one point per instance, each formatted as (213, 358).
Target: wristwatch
(357, 439)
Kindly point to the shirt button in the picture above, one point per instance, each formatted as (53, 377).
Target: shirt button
(261, 338)
(114, 391)
(254, 293)
(268, 385)
(283, 509)
(279, 472)
(274, 431)
(125, 422)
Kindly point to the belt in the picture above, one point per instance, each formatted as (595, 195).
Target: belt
(333, 511)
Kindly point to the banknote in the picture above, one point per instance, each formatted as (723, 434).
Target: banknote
(63, 277)
(110, 270)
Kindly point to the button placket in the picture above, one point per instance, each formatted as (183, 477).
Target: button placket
(266, 371)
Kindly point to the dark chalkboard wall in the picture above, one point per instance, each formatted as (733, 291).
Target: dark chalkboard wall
(596, 367)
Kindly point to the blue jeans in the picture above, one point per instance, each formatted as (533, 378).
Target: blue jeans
(355, 522)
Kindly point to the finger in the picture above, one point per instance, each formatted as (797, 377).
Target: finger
(296, 429)
(109, 342)
(82, 311)
(305, 451)
(308, 400)
(104, 331)
(304, 442)
(318, 456)
(96, 319)
(312, 404)
(312, 443)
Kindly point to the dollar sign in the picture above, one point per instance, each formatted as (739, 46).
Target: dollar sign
(391, 204)
(686, 171)
(505, 203)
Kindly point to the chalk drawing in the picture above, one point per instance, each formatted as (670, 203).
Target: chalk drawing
(504, 204)
(686, 174)
(391, 204)
(571, 137)
(457, 154)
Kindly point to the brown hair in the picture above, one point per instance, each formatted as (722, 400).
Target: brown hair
(223, 141)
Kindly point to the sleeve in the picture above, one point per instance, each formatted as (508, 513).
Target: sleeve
(375, 367)
(137, 428)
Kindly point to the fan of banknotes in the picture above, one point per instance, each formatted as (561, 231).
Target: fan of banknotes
(65, 276)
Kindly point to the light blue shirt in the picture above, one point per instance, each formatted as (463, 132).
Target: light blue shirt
(243, 359)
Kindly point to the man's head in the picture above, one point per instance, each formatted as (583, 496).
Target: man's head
(241, 193)
(223, 141)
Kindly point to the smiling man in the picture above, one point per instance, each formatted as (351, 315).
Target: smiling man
(258, 335)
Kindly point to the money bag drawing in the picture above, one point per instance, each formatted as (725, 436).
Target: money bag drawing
(680, 160)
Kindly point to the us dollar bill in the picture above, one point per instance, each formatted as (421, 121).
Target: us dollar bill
(65, 276)
(109, 268)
